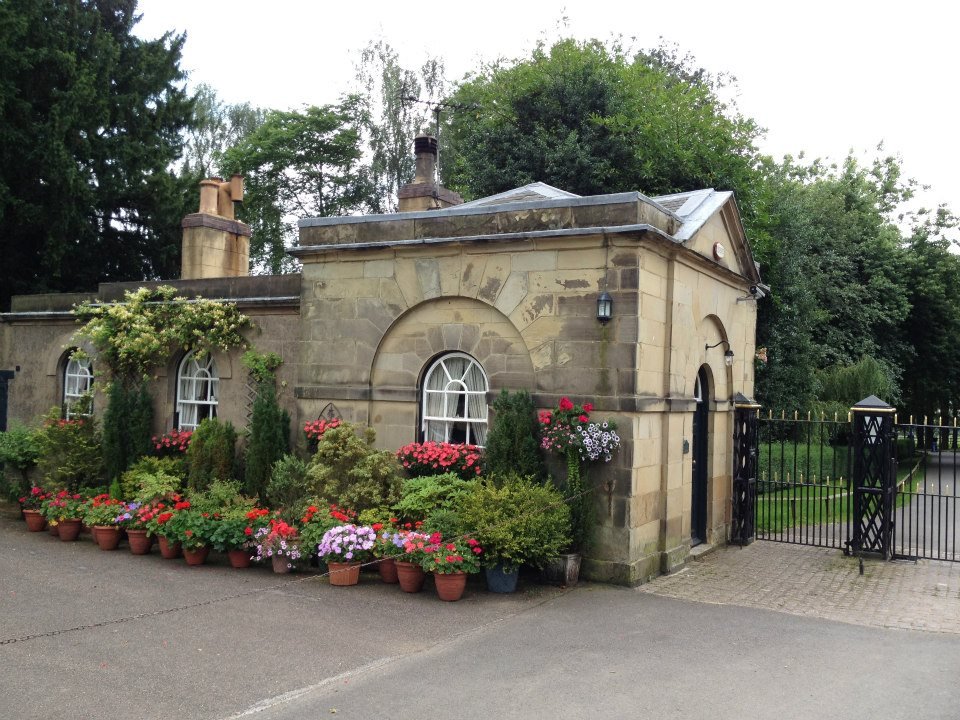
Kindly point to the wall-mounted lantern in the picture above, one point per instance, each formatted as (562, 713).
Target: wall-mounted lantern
(604, 307)
(727, 356)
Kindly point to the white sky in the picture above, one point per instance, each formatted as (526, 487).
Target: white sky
(822, 77)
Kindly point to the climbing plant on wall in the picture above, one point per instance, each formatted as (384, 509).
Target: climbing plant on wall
(134, 336)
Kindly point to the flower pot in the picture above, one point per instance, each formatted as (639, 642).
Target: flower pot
(69, 530)
(281, 564)
(388, 571)
(239, 558)
(169, 549)
(107, 537)
(93, 532)
(450, 586)
(563, 570)
(140, 544)
(500, 581)
(410, 576)
(196, 556)
(343, 574)
(35, 521)
(53, 530)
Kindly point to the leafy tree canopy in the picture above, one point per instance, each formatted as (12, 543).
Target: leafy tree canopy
(298, 164)
(90, 122)
(593, 118)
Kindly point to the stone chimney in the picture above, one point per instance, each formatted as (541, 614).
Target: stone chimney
(425, 193)
(214, 243)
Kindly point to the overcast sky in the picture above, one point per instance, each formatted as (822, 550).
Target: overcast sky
(822, 77)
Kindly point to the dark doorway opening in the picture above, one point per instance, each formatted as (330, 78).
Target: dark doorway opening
(701, 429)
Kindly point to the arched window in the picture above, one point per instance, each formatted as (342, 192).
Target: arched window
(198, 388)
(77, 380)
(454, 405)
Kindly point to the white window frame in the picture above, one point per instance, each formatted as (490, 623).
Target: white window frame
(77, 381)
(453, 402)
(198, 390)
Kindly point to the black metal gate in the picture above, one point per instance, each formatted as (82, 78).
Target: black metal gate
(926, 523)
(862, 483)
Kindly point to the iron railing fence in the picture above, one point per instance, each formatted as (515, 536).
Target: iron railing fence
(926, 523)
(804, 491)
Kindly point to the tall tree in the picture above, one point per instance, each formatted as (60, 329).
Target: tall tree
(591, 118)
(90, 121)
(397, 102)
(298, 164)
(217, 126)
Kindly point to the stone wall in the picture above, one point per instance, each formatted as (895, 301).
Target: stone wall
(375, 317)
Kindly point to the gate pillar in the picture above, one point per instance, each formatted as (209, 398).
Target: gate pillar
(745, 416)
(874, 477)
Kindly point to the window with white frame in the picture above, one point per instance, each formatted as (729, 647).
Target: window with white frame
(198, 388)
(454, 403)
(77, 381)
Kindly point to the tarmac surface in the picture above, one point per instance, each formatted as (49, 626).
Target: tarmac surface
(767, 631)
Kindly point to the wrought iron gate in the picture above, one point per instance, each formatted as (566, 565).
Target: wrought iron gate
(861, 484)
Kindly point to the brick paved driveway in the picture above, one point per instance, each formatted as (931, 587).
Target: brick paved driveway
(818, 582)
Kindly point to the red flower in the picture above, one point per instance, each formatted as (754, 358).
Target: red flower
(248, 530)
(588, 407)
(188, 533)
(583, 418)
(377, 527)
(565, 404)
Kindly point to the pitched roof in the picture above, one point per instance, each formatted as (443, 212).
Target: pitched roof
(531, 191)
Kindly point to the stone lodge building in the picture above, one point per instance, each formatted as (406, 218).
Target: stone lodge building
(413, 322)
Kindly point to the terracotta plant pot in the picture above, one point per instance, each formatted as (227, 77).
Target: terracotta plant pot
(107, 537)
(140, 544)
(53, 530)
(196, 556)
(281, 564)
(169, 549)
(388, 571)
(410, 575)
(92, 530)
(450, 586)
(239, 558)
(343, 574)
(35, 521)
(69, 530)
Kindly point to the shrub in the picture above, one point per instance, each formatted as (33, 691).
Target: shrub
(151, 477)
(269, 439)
(347, 469)
(19, 450)
(518, 521)
(126, 426)
(421, 496)
(71, 454)
(446, 522)
(211, 454)
(289, 483)
(513, 443)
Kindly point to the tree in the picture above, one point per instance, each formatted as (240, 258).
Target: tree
(296, 165)
(90, 124)
(589, 118)
(396, 104)
(827, 243)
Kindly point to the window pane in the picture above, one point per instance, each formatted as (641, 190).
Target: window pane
(454, 401)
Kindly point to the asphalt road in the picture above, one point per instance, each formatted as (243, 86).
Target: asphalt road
(161, 640)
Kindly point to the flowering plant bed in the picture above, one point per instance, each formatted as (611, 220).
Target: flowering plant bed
(101, 510)
(62, 505)
(33, 500)
(276, 539)
(237, 527)
(348, 543)
(172, 442)
(193, 528)
(313, 429)
(433, 458)
(462, 555)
